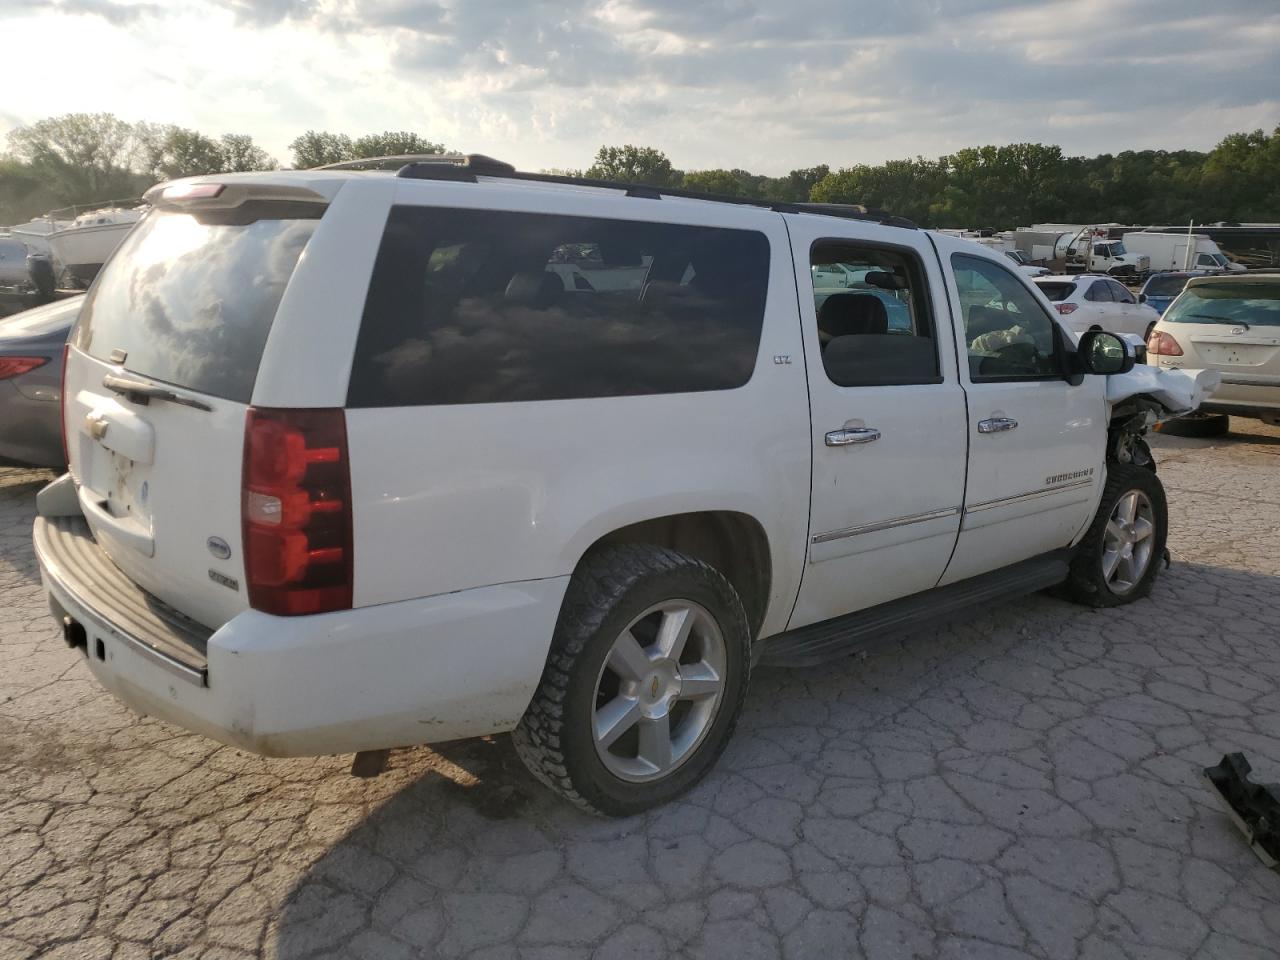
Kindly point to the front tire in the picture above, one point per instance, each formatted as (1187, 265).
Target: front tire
(646, 677)
(1118, 560)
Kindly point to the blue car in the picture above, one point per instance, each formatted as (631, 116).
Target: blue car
(1161, 289)
(31, 383)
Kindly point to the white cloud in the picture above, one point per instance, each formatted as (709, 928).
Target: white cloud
(764, 84)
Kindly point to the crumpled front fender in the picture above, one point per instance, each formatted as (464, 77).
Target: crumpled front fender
(1175, 392)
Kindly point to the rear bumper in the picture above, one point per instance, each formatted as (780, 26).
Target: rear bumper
(441, 668)
(1245, 396)
(1258, 411)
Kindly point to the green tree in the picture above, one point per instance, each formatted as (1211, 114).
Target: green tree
(316, 148)
(394, 143)
(630, 164)
(79, 156)
(241, 154)
(726, 183)
(188, 154)
(907, 188)
(1242, 176)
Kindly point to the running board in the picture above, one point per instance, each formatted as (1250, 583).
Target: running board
(841, 636)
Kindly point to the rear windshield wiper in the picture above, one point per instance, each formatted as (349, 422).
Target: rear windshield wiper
(1235, 323)
(144, 391)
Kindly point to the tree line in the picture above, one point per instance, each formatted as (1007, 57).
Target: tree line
(86, 158)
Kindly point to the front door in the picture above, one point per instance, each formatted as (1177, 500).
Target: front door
(1036, 442)
(888, 416)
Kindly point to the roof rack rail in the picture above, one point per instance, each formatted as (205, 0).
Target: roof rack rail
(466, 167)
(472, 162)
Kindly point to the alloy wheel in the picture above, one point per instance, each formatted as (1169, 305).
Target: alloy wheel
(659, 690)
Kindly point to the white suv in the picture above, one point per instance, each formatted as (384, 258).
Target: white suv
(1087, 300)
(361, 460)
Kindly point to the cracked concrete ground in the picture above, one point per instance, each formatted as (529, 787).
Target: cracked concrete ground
(1024, 784)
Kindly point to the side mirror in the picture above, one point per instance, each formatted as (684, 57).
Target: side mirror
(1142, 298)
(1105, 353)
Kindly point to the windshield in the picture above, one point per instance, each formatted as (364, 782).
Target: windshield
(1255, 304)
(1165, 286)
(1219, 259)
(191, 301)
(1016, 256)
(1056, 290)
(1118, 250)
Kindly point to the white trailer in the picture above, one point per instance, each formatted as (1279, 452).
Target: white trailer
(1179, 251)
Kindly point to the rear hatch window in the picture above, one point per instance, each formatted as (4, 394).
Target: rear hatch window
(1057, 292)
(189, 299)
(185, 304)
(1254, 304)
(1169, 286)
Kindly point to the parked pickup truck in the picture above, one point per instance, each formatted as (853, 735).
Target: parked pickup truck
(354, 466)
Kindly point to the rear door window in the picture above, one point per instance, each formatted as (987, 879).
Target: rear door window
(1120, 293)
(190, 299)
(1099, 292)
(875, 325)
(484, 306)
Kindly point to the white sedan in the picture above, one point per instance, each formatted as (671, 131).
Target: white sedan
(1086, 300)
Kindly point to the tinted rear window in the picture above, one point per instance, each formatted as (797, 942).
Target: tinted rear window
(1257, 304)
(478, 306)
(191, 301)
(1169, 286)
(1056, 291)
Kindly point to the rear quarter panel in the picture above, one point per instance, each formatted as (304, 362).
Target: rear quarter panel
(452, 497)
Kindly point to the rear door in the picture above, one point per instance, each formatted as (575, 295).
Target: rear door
(161, 369)
(888, 417)
(1036, 442)
(1099, 307)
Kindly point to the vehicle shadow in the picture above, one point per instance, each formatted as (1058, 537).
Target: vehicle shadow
(18, 489)
(807, 808)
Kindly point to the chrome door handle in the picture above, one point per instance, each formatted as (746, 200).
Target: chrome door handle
(848, 435)
(997, 425)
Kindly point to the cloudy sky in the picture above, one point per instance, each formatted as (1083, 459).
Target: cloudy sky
(768, 85)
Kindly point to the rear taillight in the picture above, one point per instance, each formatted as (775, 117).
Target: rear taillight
(1161, 344)
(62, 405)
(296, 511)
(1065, 308)
(17, 366)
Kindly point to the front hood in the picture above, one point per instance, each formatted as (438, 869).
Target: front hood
(1177, 392)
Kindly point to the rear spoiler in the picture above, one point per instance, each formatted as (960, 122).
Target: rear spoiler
(196, 196)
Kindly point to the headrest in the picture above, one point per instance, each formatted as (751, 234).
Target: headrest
(985, 320)
(849, 314)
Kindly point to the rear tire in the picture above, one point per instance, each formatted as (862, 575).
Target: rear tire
(1197, 425)
(1119, 558)
(646, 677)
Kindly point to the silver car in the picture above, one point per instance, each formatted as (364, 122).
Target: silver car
(1229, 323)
(31, 383)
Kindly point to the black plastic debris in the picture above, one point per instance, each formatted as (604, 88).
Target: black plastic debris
(1253, 807)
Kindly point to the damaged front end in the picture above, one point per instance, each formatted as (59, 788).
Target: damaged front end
(1145, 396)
